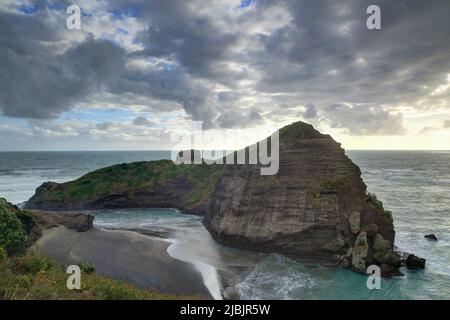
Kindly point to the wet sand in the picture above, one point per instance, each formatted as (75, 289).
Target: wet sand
(125, 255)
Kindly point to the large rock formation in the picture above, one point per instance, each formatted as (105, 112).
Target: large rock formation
(315, 209)
(156, 184)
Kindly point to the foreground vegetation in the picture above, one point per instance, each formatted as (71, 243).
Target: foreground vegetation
(34, 277)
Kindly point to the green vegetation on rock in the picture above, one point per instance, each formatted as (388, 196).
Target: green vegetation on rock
(12, 232)
(3, 254)
(128, 178)
(373, 200)
(298, 131)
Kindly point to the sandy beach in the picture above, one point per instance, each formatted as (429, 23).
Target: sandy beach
(125, 255)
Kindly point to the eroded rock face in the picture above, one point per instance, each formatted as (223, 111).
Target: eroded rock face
(380, 244)
(79, 222)
(360, 251)
(354, 219)
(312, 210)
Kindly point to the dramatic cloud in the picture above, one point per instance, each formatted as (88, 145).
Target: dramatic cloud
(230, 63)
(310, 112)
(364, 120)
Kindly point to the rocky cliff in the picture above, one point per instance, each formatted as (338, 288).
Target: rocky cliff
(156, 184)
(316, 209)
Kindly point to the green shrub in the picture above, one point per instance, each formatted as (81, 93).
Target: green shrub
(3, 254)
(31, 264)
(32, 277)
(87, 267)
(12, 234)
(27, 218)
(387, 214)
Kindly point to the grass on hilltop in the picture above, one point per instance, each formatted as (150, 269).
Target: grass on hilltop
(128, 178)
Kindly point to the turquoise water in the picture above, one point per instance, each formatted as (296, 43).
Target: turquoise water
(414, 185)
(261, 276)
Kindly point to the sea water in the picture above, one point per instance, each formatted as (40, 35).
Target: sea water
(414, 185)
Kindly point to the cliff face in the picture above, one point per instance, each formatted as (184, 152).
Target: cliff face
(314, 209)
(156, 184)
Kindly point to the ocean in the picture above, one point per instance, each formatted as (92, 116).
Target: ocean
(414, 185)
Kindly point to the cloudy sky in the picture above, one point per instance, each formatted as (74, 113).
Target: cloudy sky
(139, 72)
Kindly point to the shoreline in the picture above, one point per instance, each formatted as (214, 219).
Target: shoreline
(125, 255)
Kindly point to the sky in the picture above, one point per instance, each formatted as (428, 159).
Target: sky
(137, 73)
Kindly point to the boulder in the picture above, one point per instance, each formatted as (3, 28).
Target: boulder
(379, 257)
(389, 271)
(79, 222)
(392, 259)
(380, 244)
(360, 251)
(414, 262)
(354, 220)
(431, 237)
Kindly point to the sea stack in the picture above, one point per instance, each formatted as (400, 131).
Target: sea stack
(316, 209)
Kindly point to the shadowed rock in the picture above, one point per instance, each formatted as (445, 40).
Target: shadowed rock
(414, 262)
(431, 237)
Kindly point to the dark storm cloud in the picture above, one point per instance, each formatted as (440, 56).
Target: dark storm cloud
(322, 55)
(327, 54)
(178, 29)
(234, 119)
(37, 83)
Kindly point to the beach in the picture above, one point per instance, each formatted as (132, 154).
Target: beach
(125, 255)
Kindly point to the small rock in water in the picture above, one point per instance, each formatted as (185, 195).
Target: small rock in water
(414, 262)
(431, 237)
